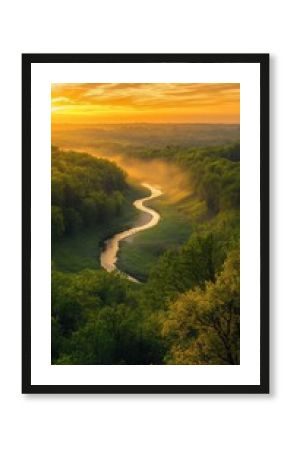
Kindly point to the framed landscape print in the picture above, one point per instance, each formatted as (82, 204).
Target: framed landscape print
(145, 223)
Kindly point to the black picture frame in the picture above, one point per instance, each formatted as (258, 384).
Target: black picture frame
(27, 61)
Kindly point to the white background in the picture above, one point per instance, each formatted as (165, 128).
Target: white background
(248, 75)
(148, 422)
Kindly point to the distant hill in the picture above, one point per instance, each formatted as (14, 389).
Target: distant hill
(146, 135)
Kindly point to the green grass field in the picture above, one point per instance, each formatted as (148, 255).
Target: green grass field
(82, 250)
(138, 253)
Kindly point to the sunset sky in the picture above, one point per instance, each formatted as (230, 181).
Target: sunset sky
(102, 103)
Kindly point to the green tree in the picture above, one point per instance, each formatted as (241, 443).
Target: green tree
(203, 326)
(57, 222)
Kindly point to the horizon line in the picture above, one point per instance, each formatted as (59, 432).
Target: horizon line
(146, 123)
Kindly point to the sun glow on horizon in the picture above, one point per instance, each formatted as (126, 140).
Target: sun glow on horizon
(108, 103)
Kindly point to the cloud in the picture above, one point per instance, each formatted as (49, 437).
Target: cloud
(197, 99)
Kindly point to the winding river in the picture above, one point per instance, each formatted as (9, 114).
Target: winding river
(111, 248)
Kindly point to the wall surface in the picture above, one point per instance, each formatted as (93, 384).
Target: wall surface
(136, 422)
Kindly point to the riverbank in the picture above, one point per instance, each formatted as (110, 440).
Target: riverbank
(109, 255)
(82, 250)
(138, 256)
(138, 253)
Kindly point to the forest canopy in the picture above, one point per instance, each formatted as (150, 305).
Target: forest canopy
(85, 191)
(188, 310)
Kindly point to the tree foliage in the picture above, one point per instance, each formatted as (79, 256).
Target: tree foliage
(188, 311)
(96, 319)
(85, 191)
(215, 172)
(203, 324)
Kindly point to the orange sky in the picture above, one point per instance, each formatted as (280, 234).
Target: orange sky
(101, 103)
